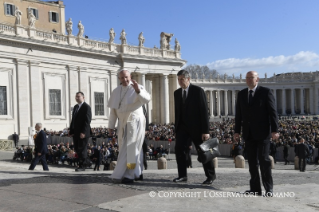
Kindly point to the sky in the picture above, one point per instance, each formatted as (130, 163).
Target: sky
(231, 36)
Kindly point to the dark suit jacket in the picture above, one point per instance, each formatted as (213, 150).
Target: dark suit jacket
(302, 150)
(197, 120)
(260, 118)
(81, 121)
(15, 137)
(41, 143)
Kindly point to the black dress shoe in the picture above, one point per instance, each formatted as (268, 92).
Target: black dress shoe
(180, 179)
(268, 194)
(80, 169)
(127, 181)
(258, 193)
(139, 178)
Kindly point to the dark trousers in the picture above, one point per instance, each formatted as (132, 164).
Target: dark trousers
(36, 160)
(273, 154)
(286, 159)
(183, 141)
(16, 143)
(97, 165)
(189, 159)
(258, 151)
(80, 147)
(145, 160)
(302, 163)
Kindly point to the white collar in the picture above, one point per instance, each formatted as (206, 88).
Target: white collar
(81, 104)
(125, 87)
(186, 88)
(254, 89)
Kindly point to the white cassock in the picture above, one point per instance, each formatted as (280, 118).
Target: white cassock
(126, 108)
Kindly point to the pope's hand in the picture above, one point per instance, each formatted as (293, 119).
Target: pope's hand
(135, 86)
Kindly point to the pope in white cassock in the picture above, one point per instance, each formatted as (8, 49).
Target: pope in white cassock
(125, 106)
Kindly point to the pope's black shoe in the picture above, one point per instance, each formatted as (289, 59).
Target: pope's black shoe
(180, 179)
(127, 180)
(139, 178)
(268, 194)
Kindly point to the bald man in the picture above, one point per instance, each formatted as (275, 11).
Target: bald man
(256, 116)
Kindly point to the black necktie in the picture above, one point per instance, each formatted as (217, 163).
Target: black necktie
(250, 100)
(76, 110)
(184, 96)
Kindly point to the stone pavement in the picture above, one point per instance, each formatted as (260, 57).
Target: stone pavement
(63, 189)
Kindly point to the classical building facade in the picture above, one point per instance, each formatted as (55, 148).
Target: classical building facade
(43, 65)
(295, 93)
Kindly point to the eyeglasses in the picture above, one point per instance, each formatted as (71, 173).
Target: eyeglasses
(250, 77)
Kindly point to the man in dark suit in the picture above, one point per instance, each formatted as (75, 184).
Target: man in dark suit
(80, 129)
(191, 124)
(302, 152)
(15, 138)
(286, 153)
(41, 149)
(256, 116)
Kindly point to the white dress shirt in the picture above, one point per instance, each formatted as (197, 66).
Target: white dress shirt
(80, 106)
(186, 91)
(253, 93)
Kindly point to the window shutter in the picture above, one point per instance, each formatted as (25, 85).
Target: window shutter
(13, 10)
(37, 14)
(57, 17)
(5, 9)
(50, 17)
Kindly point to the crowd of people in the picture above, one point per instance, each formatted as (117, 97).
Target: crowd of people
(65, 154)
(290, 132)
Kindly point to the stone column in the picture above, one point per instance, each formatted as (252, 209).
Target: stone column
(302, 102)
(311, 102)
(316, 99)
(172, 89)
(164, 99)
(141, 79)
(211, 104)
(22, 71)
(275, 95)
(283, 101)
(156, 99)
(218, 103)
(226, 102)
(292, 99)
(35, 94)
(148, 87)
(113, 79)
(233, 102)
(73, 84)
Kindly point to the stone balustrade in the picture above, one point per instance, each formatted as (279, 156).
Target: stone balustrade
(85, 43)
(288, 77)
(6, 144)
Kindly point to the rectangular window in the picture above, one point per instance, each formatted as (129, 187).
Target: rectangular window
(99, 103)
(55, 102)
(9, 9)
(3, 100)
(54, 17)
(35, 13)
